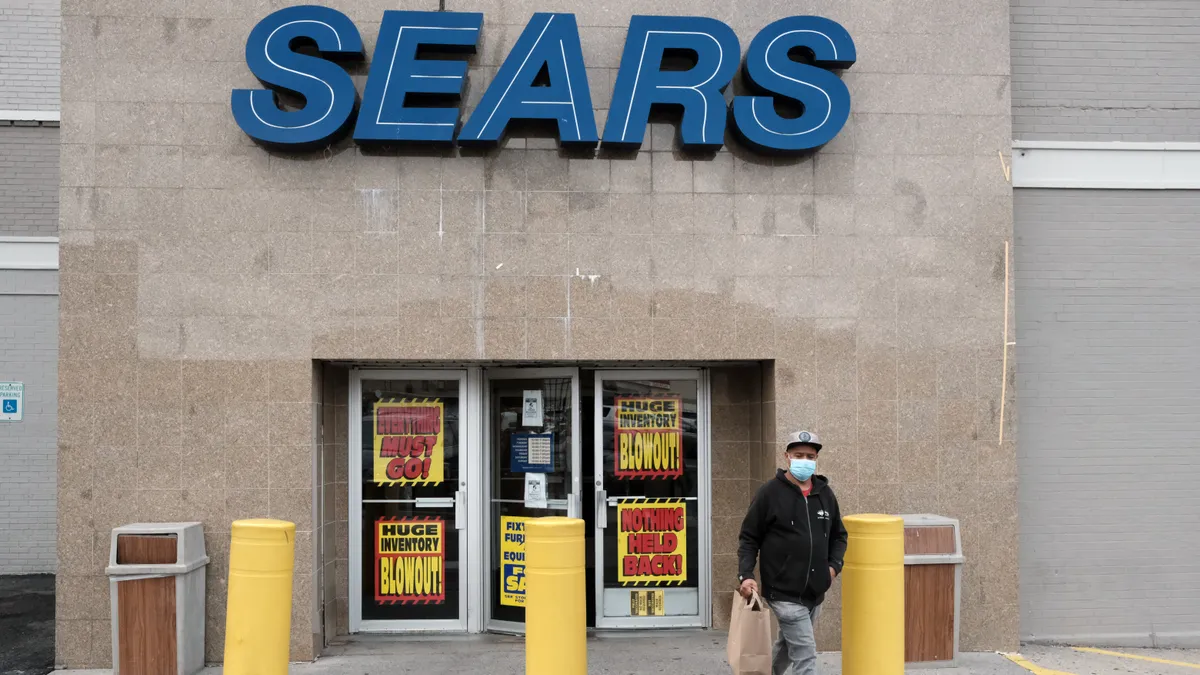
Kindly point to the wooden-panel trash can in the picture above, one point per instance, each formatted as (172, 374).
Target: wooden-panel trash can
(156, 585)
(932, 589)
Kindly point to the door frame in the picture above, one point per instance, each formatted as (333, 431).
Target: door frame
(466, 509)
(574, 503)
(703, 496)
(474, 537)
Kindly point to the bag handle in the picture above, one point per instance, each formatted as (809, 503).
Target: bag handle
(755, 602)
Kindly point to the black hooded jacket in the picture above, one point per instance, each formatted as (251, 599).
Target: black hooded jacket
(796, 540)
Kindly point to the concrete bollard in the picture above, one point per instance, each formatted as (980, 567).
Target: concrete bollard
(555, 597)
(258, 617)
(873, 596)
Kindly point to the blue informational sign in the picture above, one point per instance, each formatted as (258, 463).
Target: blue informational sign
(532, 453)
(543, 77)
(12, 401)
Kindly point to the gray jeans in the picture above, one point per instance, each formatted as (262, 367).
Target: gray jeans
(795, 650)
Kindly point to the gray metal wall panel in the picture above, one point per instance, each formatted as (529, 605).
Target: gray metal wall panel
(28, 449)
(1108, 359)
(1106, 70)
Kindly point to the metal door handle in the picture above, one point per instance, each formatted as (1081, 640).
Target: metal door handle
(460, 510)
(601, 509)
(434, 502)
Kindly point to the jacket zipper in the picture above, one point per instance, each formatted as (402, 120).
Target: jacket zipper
(808, 524)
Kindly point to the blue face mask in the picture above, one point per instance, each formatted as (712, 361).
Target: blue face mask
(802, 469)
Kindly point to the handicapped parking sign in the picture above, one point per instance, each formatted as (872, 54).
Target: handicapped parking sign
(12, 398)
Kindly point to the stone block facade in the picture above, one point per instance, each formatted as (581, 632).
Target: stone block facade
(208, 286)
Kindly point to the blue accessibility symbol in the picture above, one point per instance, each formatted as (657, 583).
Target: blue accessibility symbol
(10, 406)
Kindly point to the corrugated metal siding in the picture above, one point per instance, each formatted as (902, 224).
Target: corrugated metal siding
(1108, 353)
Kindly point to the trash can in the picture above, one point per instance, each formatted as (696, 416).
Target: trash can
(932, 589)
(156, 585)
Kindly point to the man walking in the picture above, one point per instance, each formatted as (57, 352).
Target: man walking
(794, 529)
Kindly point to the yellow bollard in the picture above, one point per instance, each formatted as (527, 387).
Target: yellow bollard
(555, 597)
(873, 596)
(258, 617)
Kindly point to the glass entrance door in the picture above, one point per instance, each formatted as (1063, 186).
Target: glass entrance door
(408, 486)
(532, 451)
(652, 552)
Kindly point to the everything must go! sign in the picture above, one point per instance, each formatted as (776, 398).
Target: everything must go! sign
(544, 78)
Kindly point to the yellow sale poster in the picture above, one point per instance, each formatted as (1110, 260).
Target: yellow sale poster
(649, 437)
(512, 561)
(652, 542)
(410, 561)
(409, 441)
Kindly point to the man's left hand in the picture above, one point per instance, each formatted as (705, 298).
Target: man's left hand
(832, 574)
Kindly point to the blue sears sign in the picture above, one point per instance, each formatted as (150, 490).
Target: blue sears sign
(542, 78)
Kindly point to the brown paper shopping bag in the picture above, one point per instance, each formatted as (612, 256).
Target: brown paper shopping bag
(749, 648)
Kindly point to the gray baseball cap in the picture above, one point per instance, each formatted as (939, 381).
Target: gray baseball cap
(804, 438)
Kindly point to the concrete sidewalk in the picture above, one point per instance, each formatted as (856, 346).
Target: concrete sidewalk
(684, 652)
(688, 653)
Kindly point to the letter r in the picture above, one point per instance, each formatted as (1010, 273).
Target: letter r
(643, 84)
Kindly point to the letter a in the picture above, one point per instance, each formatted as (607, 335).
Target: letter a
(550, 42)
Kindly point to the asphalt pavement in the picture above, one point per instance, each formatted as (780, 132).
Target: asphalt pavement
(26, 624)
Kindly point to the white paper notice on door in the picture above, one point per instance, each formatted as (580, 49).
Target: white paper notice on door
(535, 491)
(531, 410)
(541, 450)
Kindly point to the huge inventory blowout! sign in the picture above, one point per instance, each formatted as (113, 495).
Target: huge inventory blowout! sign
(410, 561)
(648, 437)
(652, 542)
(542, 78)
(512, 561)
(409, 441)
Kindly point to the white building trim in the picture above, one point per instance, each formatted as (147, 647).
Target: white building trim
(30, 115)
(1106, 166)
(28, 253)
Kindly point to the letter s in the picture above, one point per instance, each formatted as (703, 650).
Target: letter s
(769, 70)
(328, 91)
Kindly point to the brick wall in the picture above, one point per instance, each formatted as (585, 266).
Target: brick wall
(29, 335)
(1108, 325)
(29, 81)
(28, 180)
(29, 54)
(1111, 70)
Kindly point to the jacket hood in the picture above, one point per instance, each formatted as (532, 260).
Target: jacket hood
(819, 482)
